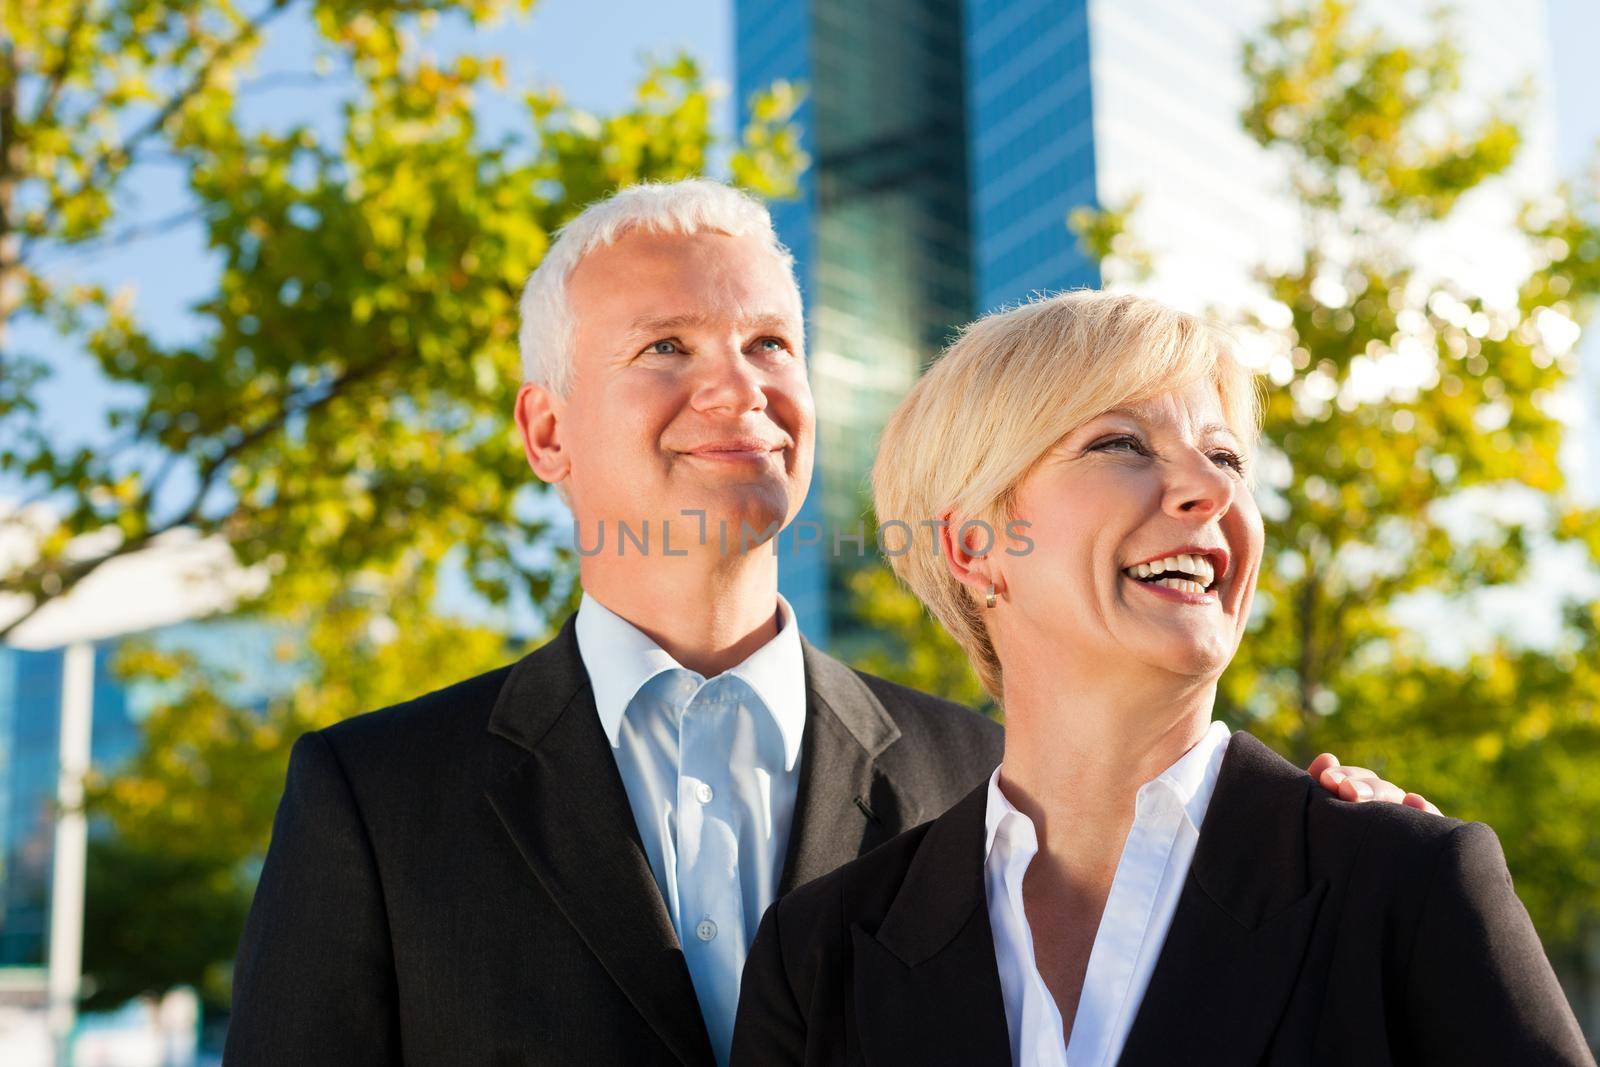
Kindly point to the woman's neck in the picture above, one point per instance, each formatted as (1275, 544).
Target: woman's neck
(1079, 744)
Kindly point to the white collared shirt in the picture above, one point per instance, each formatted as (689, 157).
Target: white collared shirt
(711, 768)
(1144, 894)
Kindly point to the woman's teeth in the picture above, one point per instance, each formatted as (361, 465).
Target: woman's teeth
(1197, 569)
(1179, 583)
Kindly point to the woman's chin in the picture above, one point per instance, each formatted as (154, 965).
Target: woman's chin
(1193, 655)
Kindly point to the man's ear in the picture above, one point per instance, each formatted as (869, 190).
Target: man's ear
(968, 547)
(539, 417)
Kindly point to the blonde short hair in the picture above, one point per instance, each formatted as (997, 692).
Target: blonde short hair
(1005, 392)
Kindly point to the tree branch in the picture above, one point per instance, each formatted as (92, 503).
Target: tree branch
(1306, 668)
(125, 151)
(56, 80)
(138, 232)
(69, 576)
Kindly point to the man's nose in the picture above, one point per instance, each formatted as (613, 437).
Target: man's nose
(728, 382)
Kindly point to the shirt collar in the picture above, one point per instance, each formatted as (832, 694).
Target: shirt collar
(620, 659)
(1190, 782)
(998, 812)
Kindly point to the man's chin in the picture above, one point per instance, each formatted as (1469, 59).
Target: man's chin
(741, 516)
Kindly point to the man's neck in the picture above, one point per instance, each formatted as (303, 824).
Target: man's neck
(707, 612)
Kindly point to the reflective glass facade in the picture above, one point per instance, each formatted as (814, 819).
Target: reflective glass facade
(880, 231)
(951, 139)
(30, 730)
(30, 721)
(1031, 139)
(772, 41)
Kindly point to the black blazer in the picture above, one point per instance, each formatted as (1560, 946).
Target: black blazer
(1309, 931)
(458, 880)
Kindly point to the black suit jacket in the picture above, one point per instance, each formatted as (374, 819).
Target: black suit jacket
(458, 880)
(1308, 931)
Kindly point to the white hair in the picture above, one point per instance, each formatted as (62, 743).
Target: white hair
(694, 205)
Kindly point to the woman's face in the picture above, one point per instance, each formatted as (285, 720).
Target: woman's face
(1158, 479)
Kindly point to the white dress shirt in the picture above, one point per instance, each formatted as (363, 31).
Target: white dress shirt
(711, 768)
(1144, 895)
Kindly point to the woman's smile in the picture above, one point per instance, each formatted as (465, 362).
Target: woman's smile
(1177, 590)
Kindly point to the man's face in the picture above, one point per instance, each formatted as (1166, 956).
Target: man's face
(689, 390)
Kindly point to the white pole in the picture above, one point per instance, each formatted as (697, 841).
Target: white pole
(72, 841)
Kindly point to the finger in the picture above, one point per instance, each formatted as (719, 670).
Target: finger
(1332, 779)
(1383, 792)
(1322, 763)
(1421, 803)
(1355, 790)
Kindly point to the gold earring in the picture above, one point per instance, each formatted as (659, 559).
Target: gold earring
(989, 601)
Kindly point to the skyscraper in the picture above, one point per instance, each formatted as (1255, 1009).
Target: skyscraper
(950, 140)
(880, 231)
(30, 722)
(33, 692)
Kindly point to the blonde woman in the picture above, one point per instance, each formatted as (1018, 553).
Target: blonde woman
(1133, 884)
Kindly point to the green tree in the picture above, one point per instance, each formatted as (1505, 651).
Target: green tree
(347, 403)
(342, 417)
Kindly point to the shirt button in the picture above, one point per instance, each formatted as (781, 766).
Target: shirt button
(705, 930)
(702, 793)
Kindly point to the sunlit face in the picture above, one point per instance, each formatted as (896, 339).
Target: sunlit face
(1125, 487)
(689, 389)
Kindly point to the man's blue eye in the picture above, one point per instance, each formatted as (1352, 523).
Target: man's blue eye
(664, 348)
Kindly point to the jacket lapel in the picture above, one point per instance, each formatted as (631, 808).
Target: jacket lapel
(1239, 935)
(927, 988)
(844, 804)
(565, 808)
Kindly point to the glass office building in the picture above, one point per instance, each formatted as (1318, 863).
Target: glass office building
(1031, 146)
(950, 139)
(30, 732)
(31, 685)
(880, 230)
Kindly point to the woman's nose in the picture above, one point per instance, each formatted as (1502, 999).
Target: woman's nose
(1203, 488)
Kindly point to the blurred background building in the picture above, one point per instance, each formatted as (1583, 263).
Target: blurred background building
(951, 140)
(66, 707)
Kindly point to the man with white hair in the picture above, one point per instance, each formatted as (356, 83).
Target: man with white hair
(565, 860)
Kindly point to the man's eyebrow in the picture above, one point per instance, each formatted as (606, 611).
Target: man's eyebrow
(668, 323)
(1204, 431)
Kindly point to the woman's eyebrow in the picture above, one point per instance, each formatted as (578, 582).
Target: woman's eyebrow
(1218, 427)
(1204, 431)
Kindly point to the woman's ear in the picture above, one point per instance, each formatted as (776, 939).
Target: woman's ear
(968, 547)
(538, 415)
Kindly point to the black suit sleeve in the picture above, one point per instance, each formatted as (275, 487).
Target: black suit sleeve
(1479, 988)
(314, 982)
(770, 1028)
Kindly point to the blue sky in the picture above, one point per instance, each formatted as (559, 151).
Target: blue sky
(1574, 30)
